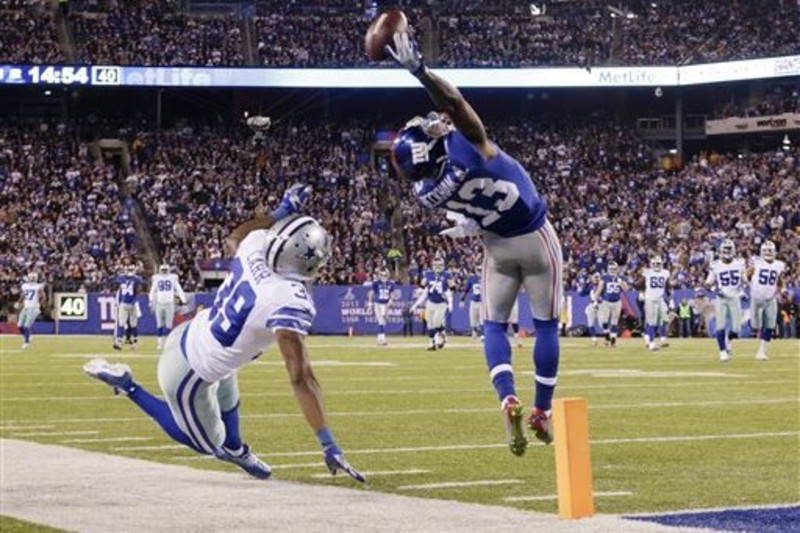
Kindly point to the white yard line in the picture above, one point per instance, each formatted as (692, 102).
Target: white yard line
(554, 497)
(461, 484)
(150, 448)
(107, 439)
(54, 434)
(380, 473)
(406, 412)
(17, 428)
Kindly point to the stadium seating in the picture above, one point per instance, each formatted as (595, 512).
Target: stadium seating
(468, 33)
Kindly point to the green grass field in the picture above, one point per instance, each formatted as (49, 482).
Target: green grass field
(670, 430)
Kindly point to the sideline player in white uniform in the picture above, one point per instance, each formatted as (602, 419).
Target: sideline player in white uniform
(165, 288)
(438, 284)
(726, 278)
(380, 298)
(656, 285)
(593, 309)
(32, 297)
(455, 167)
(263, 301)
(472, 291)
(765, 285)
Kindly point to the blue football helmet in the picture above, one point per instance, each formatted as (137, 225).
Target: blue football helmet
(418, 151)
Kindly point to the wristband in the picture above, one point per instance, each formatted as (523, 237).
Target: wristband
(325, 437)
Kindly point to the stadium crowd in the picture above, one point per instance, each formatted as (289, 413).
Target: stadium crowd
(608, 198)
(61, 214)
(469, 33)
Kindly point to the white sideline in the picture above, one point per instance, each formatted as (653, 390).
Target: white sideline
(461, 484)
(378, 473)
(553, 497)
(90, 492)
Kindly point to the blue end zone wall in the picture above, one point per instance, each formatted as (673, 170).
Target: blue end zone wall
(762, 520)
(338, 309)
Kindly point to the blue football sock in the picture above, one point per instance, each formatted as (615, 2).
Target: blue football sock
(721, 342)
(614, 331)
(545, 359)
(381, 329)
(663, 330)
(498, 358)
(158, 410)
(650, 330)
(766, 334)
(134, 332)
(230, 418)
(120, 333)
(515, 328)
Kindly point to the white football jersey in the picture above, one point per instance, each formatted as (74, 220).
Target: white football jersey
(727, 277)
(655, 283)
(164, 288)
(764, 283)
(250, 306)
(30, 292)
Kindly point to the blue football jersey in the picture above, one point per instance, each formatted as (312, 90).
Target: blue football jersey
(127, 288)
(496, 193)
(473, 288)
(437, 286)
(382, 291)
(612, 288)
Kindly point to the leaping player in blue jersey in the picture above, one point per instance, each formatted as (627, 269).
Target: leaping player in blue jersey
(457, 168)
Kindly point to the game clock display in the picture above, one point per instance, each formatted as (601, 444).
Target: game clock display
(61, 75)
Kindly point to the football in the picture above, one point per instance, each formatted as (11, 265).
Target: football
(381, 32)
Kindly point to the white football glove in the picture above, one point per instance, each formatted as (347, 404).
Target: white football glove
(465, 228)
(406, 53)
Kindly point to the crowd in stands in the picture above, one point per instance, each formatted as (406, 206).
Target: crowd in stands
(774, 101)
(28, 33)
(469, 33)
(61, 215)
(154, 32)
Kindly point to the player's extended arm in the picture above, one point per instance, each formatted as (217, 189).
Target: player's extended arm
(443, 93)
(291, 203)
(419, 301)
(179, 291)
(598, 291)
(308, 393)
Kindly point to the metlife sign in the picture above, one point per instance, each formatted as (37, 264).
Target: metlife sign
(377, 78)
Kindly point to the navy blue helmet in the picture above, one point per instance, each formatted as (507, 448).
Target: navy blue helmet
(417, 155)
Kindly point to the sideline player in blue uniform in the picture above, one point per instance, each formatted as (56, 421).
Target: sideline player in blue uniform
(380, 298)
(472, 291)
(127, 313)
(438, 284)
(609, 292)
(457, 168)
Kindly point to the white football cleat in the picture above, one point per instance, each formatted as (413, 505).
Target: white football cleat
(761, 356)
(26, 345)
(118, 376)
(724, 356)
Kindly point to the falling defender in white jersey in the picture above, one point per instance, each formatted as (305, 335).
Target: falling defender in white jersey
(263, 301)
(765, 285)
(165, 289)
(656, 285)
(725, 279)
(31, 294)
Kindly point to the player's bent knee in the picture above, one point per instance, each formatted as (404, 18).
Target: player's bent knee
(490, 327)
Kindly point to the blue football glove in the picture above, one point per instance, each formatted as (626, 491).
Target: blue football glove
(335, 461)
(293, 201)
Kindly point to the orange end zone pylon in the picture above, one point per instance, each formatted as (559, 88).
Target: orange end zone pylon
(573, 460)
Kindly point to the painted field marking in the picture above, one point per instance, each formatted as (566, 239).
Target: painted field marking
(553, 497)
(636, 373)
(677, 438)
(17, 428)
(54, 434)
(149, 448)
(482, 390)
(379, 473)
(328, 363)
(460, 484)
(110, 355)
(108, 439)
(261, 416)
